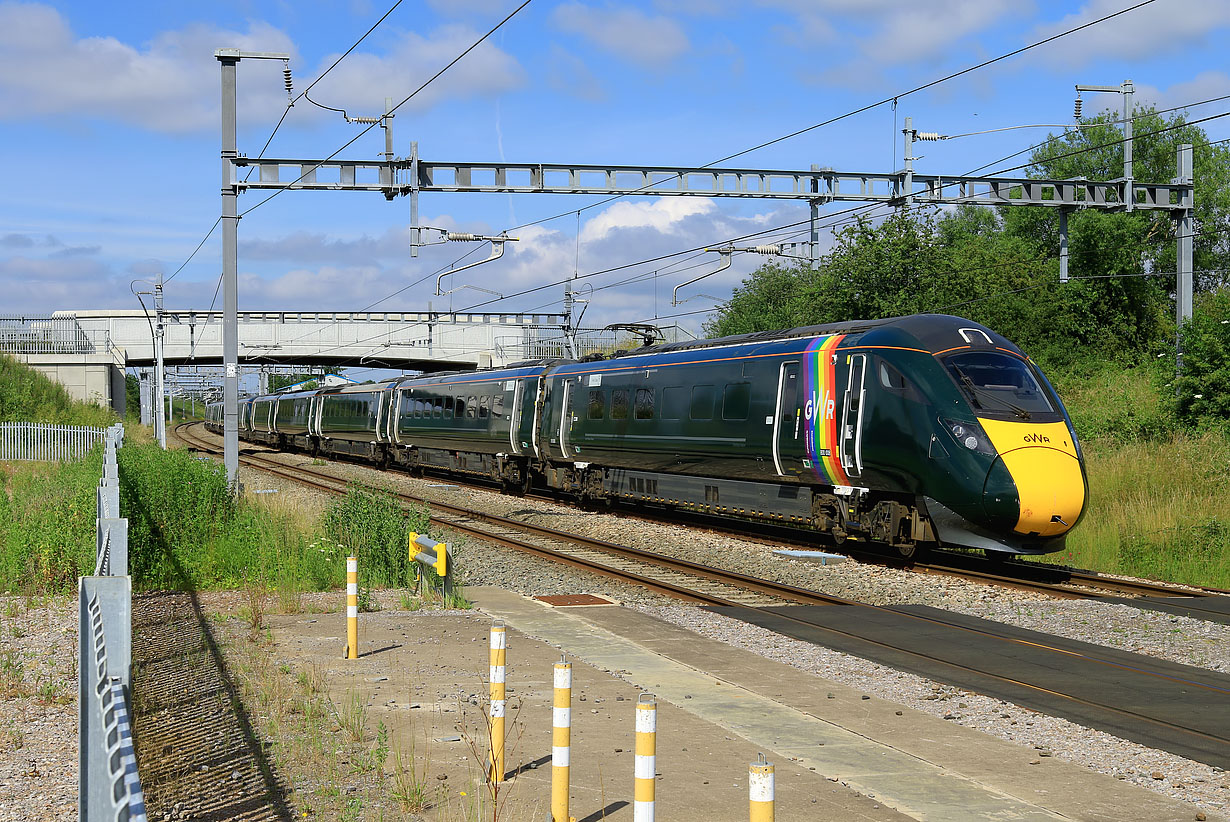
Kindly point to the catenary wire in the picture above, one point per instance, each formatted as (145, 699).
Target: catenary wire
(405, 100)
(894, 98)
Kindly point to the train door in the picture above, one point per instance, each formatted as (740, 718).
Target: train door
(565, 417)
(852, 415)
(788, 451)
(514, 422)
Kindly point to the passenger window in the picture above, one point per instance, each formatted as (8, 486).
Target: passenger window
(895, 381)
(483, 406)
(418, 408)
(702, 402)
(470, 408)
(497, 405)
(461, 407)
(674, 402)
(448, 408)
(437, 407)
(644, 403)
(736, 400)
(597, 405)
(619, 404)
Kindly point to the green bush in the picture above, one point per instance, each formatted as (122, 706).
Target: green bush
(1202, 391)
(372, 526)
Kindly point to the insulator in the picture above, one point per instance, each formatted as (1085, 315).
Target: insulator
(462, 238)
(1076, 109)
(364, 121)
(929, 136)
(768, 249)
(286, 81)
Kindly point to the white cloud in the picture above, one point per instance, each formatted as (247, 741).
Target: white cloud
(362, 81)
(569, 74)
(1155, 29)
(172, 85)
(625, 32)
(661, 215)
(1204, 86)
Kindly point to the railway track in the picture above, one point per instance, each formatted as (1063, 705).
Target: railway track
(1122, 693)
(1057, 581)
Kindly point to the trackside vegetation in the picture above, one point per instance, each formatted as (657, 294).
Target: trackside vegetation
(186, 531)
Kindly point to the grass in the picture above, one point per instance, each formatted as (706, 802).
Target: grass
(28, 396)
(1158, 509)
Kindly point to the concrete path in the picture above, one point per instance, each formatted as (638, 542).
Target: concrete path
(914, 763)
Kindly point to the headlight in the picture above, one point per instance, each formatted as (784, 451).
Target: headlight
(971, 435)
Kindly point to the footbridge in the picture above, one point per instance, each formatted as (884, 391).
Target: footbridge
(420, 341)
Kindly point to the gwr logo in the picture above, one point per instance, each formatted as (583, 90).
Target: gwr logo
(1036, 438)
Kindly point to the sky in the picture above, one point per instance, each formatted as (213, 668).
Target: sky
(110, 125)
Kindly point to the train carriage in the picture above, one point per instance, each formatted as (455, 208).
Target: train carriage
(907, 431)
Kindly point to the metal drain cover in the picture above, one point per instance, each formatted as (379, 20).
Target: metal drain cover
(560, 600)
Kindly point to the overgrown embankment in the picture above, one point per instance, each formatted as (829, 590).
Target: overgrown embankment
(1159, 486)
(185, 530)
(28, 396)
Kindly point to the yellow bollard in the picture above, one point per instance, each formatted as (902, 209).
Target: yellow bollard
(352, 608)
(646, 758)
(499, 645)
(561, 741)
(760, 790)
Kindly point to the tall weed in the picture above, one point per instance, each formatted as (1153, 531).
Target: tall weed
(372, 526)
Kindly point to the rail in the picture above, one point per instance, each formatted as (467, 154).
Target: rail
(109, 786)
(43, 442)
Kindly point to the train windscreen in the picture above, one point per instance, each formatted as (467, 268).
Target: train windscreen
(999, 384)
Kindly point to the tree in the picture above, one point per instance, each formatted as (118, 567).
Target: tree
(1202, 390)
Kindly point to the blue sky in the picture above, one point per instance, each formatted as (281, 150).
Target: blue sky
(110, 130)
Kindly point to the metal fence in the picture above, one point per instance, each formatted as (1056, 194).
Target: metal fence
(109, 787)
(37, 441)
(44, 335)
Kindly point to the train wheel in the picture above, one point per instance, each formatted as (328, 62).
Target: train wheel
(910, 551)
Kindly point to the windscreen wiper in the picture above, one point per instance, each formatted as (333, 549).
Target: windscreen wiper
(976, 390)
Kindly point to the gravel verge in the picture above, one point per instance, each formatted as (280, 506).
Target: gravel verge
(38, 709)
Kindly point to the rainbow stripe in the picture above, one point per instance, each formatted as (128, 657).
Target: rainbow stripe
(820, 409)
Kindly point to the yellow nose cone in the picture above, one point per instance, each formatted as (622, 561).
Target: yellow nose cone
(1042, 461)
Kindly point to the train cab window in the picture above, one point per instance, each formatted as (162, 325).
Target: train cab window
(674, 402)
(735, 401)
(619, 404)
(471, 407)
(597, 405)
(484, 405)
(644, 403)
(497, 406)
(448, 408)
(999, 384)
(702, 402)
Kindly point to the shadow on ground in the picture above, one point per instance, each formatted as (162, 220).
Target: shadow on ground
(198, 755)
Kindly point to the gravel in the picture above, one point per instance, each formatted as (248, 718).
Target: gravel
(38, 709)
(1174, 638)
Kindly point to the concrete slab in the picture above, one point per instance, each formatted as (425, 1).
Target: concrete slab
(423, 675)
(921, 766)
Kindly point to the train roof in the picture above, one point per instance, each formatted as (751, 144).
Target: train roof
(936, 332)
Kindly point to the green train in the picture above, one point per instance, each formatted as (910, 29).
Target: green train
(910, 432)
